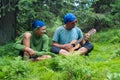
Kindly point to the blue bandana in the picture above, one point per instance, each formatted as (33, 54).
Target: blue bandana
(69, 17)
(38, 24)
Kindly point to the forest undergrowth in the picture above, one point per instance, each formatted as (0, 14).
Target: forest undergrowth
(103, 63)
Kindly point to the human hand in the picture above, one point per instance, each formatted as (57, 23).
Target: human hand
(68, 46)
(29, 51)
(87, 36)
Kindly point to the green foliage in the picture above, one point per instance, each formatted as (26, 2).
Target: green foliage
(103, 61)
(88, 20)
(101, 6)
(6, 7)
(43, 10)
(27, 13)
(110, 36)
(77, 67)
(116, 54)
(49, 11)
(8, 50)
(13, 69)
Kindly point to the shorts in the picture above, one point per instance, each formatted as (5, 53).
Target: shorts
(87, 45)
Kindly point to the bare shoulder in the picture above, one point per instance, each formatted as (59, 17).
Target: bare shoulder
(27, 35)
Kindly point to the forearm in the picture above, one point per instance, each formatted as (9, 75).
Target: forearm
(58, 45)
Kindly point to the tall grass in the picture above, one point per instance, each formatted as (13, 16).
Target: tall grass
(102, 64)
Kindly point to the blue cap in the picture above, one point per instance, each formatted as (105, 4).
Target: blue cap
(38, 24)
(69, 17)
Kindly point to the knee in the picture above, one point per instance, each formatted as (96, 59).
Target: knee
(48, 56)
(63, 51)
(92, 46)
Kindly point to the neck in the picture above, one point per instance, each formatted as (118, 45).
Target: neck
(36, 34)
(67, 27)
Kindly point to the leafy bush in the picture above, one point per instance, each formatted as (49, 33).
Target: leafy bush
(88, 20)
(27, 14)
(13, 69)
(77, 67)
(107, 36)
(102, 63)
(8, 50)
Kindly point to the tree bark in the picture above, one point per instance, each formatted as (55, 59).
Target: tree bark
(7, 27)
(8, 22)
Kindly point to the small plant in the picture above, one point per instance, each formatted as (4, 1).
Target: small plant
(14, 69)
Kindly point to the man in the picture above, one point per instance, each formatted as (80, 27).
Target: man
(35, 43)
(68, 32)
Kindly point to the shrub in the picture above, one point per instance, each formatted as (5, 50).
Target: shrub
(13, 69)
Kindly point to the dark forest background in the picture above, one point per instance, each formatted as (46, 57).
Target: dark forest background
(16, 16)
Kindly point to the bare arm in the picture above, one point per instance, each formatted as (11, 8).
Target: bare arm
(57, 45)
(85, 39)
(26, 42)
(62, 46)
(87, 36)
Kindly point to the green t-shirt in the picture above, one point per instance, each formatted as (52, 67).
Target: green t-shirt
(37, 43)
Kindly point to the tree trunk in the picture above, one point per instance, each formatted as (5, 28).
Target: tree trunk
(7, 27)
(7, 21)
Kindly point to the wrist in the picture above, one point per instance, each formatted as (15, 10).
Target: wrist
(26, 49)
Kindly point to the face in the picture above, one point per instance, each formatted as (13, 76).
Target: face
(72, 24)
(40, 31)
